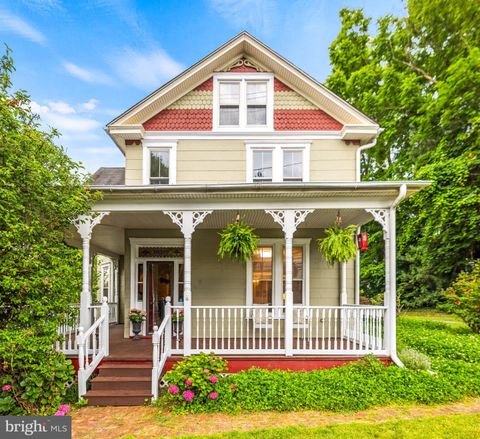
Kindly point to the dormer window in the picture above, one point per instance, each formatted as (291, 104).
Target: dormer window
(243, 102)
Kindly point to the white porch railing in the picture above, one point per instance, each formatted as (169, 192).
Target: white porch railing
(162, 346)
(93, 346)
(338, 330)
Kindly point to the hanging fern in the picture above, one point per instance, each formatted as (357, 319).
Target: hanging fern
(339, 244)
(238, 242)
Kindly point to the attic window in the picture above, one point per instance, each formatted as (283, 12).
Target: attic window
(243, 102)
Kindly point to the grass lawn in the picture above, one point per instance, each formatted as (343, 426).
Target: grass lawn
(455, 355)
(452, 427)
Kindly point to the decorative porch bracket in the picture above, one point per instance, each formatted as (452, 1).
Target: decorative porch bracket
(289, 220)
(384, 217)
(187, 220)
(85, 225)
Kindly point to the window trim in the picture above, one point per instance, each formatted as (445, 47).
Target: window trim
(277, 294)
(277, 160)
(155, 145)
(243, 78)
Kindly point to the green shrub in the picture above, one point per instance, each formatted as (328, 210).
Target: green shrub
(197, 381)
(463, 297)
(414, 360)
(34, 375)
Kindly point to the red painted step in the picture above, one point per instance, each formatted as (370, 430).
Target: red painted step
(117, 397)
(102, 382)
(121, 383)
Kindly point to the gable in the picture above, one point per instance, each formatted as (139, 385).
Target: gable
(194, 110)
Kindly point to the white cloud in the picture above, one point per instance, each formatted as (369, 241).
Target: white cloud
(146, 70)
(61, 107)
(55, 115)
(90, 105)
(16, 25)
(87, 75)
(256, 14)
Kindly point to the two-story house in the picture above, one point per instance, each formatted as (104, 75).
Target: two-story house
(243, 132)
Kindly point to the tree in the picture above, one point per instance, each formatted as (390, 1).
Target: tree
(418, 77)
(41, 191)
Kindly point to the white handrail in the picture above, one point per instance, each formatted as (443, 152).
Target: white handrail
(93, 346)
(162, 346)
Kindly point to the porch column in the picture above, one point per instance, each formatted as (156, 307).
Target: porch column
(85, 225)
(384, 218)
(289, 220)
(187, 220)
(357, 272)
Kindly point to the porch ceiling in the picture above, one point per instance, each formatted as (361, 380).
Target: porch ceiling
(109, 236)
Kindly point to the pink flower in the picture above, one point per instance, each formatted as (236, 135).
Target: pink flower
(188, 382)
(173, 389)
(213, 395)
(64, 408)
(59, 413)
(6, 388)
(213, 379)
(188, 395)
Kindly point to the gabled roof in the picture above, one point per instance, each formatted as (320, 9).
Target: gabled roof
(244, 44)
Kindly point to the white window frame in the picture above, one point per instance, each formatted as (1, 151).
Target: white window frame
(277, 289)
(155, 145)
(242, 78)
(110, 293)
(277, 159)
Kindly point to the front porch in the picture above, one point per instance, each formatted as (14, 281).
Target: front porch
(286, 301)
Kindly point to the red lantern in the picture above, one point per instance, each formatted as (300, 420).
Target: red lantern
(362, 241)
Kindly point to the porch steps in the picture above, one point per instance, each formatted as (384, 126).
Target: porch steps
(121, 383)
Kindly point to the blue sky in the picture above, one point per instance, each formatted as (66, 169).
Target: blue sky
(86, 61)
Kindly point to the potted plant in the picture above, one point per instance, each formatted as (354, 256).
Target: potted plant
(339, 244)
(177, 320)
(136, 316)
(237, 241)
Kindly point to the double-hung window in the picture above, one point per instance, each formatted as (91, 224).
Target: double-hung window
(243, 102)
(277, 163)
(159, 162)
(159, 167)
(266, 273)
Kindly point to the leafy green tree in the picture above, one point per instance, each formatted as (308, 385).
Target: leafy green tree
(418, 76)
(41, 191)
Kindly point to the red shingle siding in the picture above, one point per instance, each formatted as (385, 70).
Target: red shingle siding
(304, 120)
(180, 120)
(280, 86)
(206, 86)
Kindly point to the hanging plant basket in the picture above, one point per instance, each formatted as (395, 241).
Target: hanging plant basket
(238, 242)
(339, 244)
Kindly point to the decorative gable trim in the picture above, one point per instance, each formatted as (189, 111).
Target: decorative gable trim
(244, 65)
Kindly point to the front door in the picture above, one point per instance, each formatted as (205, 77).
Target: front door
(159, 285)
